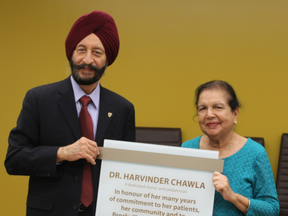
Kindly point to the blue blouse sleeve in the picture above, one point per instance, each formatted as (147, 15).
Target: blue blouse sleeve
(265, 200)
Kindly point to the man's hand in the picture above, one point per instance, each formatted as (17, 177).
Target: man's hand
(81, 149)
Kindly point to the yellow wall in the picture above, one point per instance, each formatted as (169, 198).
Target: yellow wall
(168, 48)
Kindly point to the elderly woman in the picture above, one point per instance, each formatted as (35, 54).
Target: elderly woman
(246, 186)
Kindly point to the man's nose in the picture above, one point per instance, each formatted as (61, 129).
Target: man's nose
(88, 59)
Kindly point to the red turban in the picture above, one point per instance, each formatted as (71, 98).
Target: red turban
(102, 25)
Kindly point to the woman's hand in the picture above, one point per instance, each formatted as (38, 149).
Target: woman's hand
(221, 184)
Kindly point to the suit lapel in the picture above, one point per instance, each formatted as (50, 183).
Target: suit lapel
(106, 114)
(67, 106)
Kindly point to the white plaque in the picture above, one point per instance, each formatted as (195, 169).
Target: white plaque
(142, 189)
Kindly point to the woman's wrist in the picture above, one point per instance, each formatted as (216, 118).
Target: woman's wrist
(241, 202)
(247, 207)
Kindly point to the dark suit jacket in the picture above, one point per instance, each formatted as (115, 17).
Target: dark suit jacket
(48, 120)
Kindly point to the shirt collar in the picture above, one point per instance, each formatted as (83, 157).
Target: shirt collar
(78, 92)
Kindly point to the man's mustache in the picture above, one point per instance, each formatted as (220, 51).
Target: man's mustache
(90, 66)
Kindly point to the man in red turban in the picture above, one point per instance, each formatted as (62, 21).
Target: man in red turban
(99, 26)
(61, 125)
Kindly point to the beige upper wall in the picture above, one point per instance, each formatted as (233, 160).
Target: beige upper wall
(167, 49)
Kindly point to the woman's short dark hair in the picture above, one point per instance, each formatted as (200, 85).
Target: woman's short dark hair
(219, 84)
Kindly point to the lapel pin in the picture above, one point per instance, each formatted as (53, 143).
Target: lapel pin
(109, 114)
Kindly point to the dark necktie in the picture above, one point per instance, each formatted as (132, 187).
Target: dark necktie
(87, 131)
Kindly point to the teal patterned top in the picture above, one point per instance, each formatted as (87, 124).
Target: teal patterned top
(249, 173)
